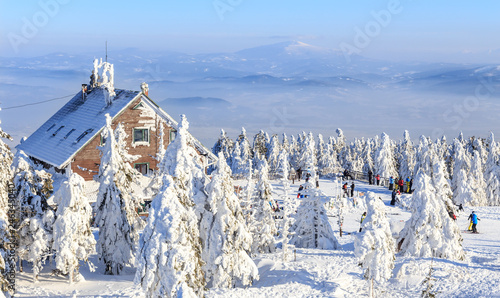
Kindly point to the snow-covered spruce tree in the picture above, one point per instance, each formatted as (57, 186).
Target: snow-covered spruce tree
(182, 162)
(169, 256)
(311, 228)
(262, 224)
(374, 246)
(462, 189)
(385, 164)
(73, 238)
(226, 254)
(260, 141)
(115, 206)
(285, 144)
(225, 145)
(237, 165)
(283, 168)
(423, 157)
(293, 153)
(476, 180)
(245, 147)
(367, 157)
(307, 159)
(492, 173)
(406, 156)
(272, 155)
(430, 232)
(157, 179)
(5, 176)
(34, 187)
(440, 182)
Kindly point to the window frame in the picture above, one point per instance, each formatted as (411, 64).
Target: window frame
(141, 142)
(142, 163)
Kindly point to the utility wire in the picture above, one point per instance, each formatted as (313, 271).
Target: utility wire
(37, 103)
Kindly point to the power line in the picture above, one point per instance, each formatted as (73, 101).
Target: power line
(37, 103)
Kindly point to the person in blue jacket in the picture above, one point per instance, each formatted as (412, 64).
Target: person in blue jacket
(473, 218)
(391, 183)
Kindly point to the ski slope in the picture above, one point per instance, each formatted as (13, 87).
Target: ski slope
(326, 273)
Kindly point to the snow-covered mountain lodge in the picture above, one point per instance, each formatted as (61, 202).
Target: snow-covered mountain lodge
(72, 135)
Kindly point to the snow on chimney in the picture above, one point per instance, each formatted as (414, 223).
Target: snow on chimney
(105, 79)
(145, 88)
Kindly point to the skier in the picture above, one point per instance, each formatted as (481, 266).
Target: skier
(345, 189)
(352, 190)
(363, 216)
(391, 181)
(473, 219)
(411, 185)
(408, 185)
(393, 201)
(299, 174)
(460, 207)
(378, 179)
(370, 177)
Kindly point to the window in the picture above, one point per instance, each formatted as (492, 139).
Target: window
(141, 135)
(103, 141)
(55, 132)
(143, 168)
(84, 134)
(172, 135)
(70, 132)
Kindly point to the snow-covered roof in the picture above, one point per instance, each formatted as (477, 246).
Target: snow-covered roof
(59, 139)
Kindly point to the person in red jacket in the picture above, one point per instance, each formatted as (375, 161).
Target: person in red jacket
(401, 184)
(378, 179)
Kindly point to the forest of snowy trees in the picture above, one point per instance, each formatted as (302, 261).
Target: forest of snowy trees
(470, 167)
(200, 234)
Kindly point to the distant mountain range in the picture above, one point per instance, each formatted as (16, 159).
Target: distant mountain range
(245, 88)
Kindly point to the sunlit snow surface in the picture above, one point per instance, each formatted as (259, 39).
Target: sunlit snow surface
(325, 273)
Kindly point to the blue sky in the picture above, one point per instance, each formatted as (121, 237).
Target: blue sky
(419, 30)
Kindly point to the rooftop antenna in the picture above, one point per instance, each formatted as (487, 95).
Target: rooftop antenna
(106, 51)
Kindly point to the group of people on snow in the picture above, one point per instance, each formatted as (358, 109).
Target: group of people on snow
(345, 187)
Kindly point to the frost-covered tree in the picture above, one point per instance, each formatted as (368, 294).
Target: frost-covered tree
(260, 141)
(462, 189)
(476, 180)
(262, 224)
(225, 145)
(430, 231)
(183, 164)
(157, 179)
(169, 256)
(385, 164)
(245, 147)
(272, 155)
(406, 156)
(73, 238)
(283, 168)
(34, 187)
(307, 157)
(312, 228)
(237, 164)
(5, 176)
(492, 173)
(226, 254)
(439, 180)
(116, 216)
(367, 157)
(374, 246)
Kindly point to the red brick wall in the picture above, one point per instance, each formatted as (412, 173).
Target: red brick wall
(89, 157)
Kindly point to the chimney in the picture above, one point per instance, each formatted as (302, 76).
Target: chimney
(145, 88)
(84, 91)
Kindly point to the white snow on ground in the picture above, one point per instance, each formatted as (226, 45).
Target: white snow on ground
(325, 273)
